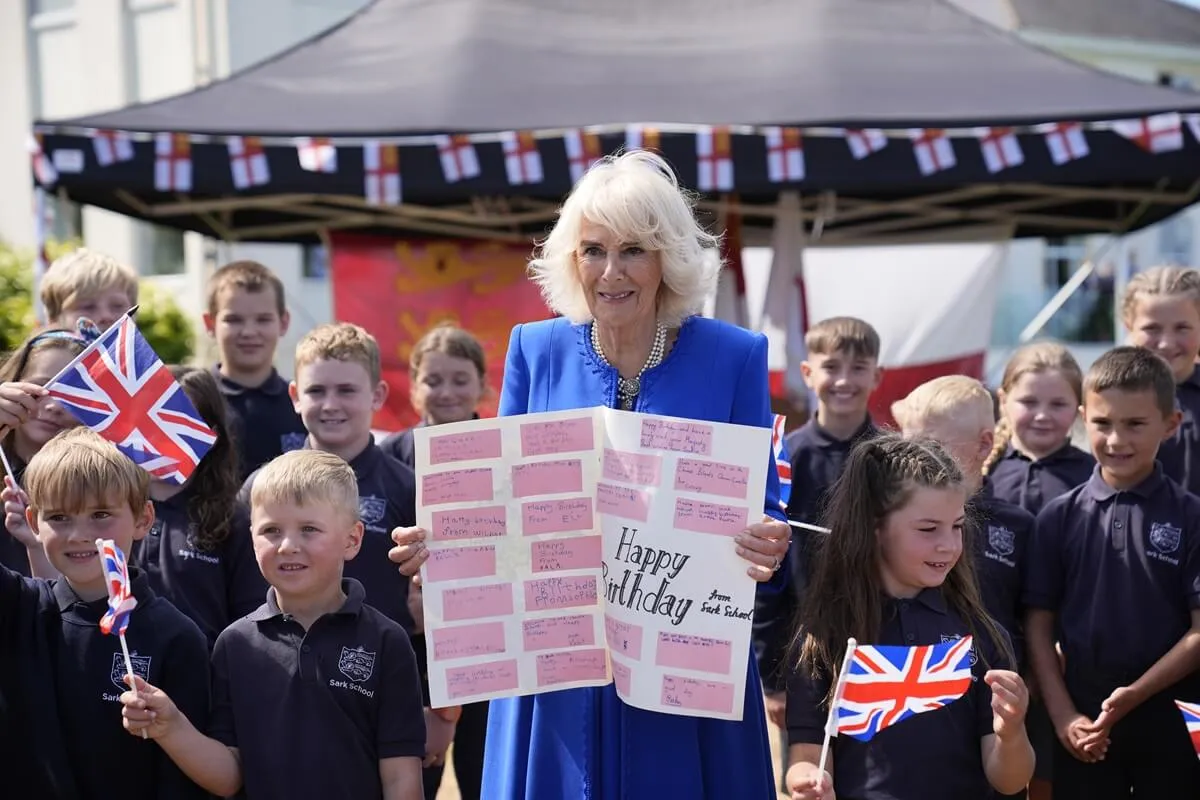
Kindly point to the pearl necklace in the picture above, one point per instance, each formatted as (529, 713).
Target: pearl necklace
(629, 388)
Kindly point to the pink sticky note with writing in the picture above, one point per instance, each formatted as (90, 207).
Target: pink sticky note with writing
(643, 469)
(623, 637)
(457, 563)
(677, 436)
(575, 552)
(552, 633)
(556, 516)
(467, 641)
(480, 679)
(475, 602)
(471, 446)
(572, 666)
(558, 436)
(456, 486)
(622, 678)
(712, 477)
(680, 651)
(547, 477)
(701, 517)
(568, 592)
(697, 695)
(622, 501)
(469, 523)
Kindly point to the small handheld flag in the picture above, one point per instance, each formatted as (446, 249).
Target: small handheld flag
(783, 464)
(1191, 716)
(121, 601)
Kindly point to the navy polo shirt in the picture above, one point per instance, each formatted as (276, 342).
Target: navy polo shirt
(936, 754)
(401, 447)
(212, 587)
(75, 675)
(13, 554)
(1031, 484)
(999, 536)
(1179, 454)
(1122, 572)
(263, 420)
(387, 499)
(313, 712)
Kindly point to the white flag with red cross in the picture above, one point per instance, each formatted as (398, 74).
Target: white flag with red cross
(316, 154)
(785, 155)
(458, 157)
(933, 149)
(642, 137)
(1001, 149)
(381, 173)
(248, 162)
(112, 147)
(1066, 141)
(583, 150)
(863, 142)
(714, 159)
(43, 167)
(1160, 133)
(522, 159)
(172, 162)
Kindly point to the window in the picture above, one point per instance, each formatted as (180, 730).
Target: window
(316, 262)
(1176, 241)
(160, 250)
(1087, 315)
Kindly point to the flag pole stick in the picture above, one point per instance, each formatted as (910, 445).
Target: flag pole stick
(831, 720)
(132, 675)
(8, 470)
(808, 527)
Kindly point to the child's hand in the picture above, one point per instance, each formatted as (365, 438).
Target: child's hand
(18, 402)
(1123, 700)
(1010, 701)
(148, 713)
(439, 734)
(1074, 733)
(805, 782)
(15, 502)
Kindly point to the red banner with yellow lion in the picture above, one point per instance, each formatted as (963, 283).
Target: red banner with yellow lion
(398, 290)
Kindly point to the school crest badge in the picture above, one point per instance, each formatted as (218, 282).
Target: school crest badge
(356, 664)
(371, 509)
(292, 441)
(1164, 537)
(1001, 540)
(141, 668)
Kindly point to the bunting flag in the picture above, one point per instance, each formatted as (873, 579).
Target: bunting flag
(1191, 719)
(1065, 141)
(381, 165)
(112, 147)
(172, 162)
(43, 167)
(864, 142)
(641, 137)
(714, 159)
(316, 154)
(248, 162)
(783, 463)
(1001, 150)
(785, 155)
(458, 157)
(1161, 133)
(522, 159)
(730, 303)
(1193, 121)
(933, 150)
(583, 150)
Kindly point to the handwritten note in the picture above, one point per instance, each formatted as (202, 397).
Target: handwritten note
(468, 523)
(715, 697)
(555, 633)
(622, 679)
(553, 593)
(557, 516)
(556, 555)
(474, 602)
(547, 477)
(460, 563)
(572, 666)
(694, 515)
(623, 501)
(460, 486)
(712, 477)
(474, 446)
(677, 436)
(489, 678)
(468, 641)
(623, 637)
(694, 652)
(558, 436)
(643, 469)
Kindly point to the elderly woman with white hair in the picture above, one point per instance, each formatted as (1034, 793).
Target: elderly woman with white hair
(628, 268)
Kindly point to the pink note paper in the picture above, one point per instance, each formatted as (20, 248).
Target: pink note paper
(464, 446)
(572, 666)
(550, 593)
(458, 486)
(477, 679)
(697, 695)
(469, 523)
(575, 552)
(677, 436)
(476, 602)
(702, 654)
(623, 501)
(552, 633)
(547, 477)
(712, 477)
(623, 637)
(694, 515)
(556, 516)
(559, 436)
(468, 641)
(622, 678)
(457, 563)
(640, 468)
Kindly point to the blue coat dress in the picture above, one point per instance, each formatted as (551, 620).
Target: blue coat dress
(585, 744)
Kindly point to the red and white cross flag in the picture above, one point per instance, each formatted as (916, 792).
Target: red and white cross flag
(522, 160)
(381, 173)
(933, 150)
(1193, 121)
(642, 137)
(714, 159)
(1066, 141)
(864, 142)
(583, 150)
(112, 147)
(458, 157)
(248, 162)
(172, 162)
(785, 155)
(316, 154)
(1000, 147)
(43, 167)
(1160, 133)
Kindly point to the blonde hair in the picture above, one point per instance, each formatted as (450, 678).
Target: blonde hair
(84, 273)
(307, 478)
(249, 276)
(843, 335)
(78, 469)
(1159, 282)
(1033, 359)
(955, 399)
(340, 341)
(637, 197)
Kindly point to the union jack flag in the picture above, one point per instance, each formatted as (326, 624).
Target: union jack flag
(120, 389)
(1191, 716)
(121, 601)
(783, 464)
(886, 685)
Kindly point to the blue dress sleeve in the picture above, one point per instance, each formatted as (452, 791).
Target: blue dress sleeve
(514, 394)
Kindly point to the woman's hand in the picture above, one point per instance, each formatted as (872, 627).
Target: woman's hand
(765, 545)
(410, 551)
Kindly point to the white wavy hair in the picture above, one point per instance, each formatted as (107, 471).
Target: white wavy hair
(637, 197)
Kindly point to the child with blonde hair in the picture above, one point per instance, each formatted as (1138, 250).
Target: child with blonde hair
(84, 283)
